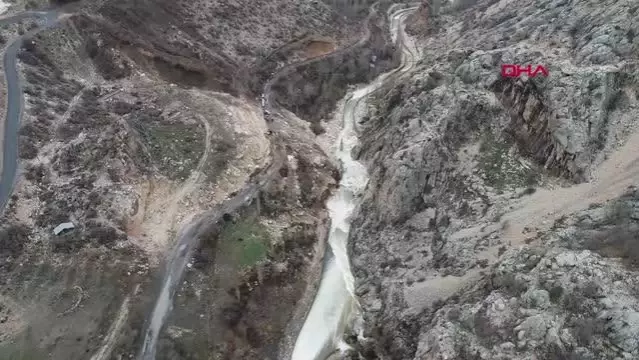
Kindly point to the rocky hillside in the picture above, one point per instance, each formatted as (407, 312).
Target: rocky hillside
(572, 298)
(466, 174)
(224, 44)
(499, 222)
(138, 117)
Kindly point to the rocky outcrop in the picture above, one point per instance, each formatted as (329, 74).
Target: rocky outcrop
(413, 192)
(532, 128)
(454, 146)
(556, 302)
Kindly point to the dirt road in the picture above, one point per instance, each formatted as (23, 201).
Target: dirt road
(188, 239)
(610, 180)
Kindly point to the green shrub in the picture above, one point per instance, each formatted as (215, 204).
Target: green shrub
(555, 293)
(463, 4)
(500, 169)
(246, 242)
(511, 284)
(620, 241)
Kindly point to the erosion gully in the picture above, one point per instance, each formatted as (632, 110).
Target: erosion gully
(335, 308)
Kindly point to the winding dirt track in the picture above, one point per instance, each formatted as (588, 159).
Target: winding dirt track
(114, 332)
(287, 69)
(188, 186)
(187, 241)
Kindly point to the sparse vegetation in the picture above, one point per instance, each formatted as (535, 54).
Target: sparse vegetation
(13, 238)
(591, 289)
(617, 213)
(559, 222)
(618, 241)
(459, 5)
(175, 149)
(500, 169)
(453, 314)
(31, 4)
(511, 284)
(312, 91)
(556, 352)
(555, 293)
(28, 150)
(245, 241)
(574, 302)
(612, 102)
(617, 235)
(586, 329)
(317, 128)
(37, 173)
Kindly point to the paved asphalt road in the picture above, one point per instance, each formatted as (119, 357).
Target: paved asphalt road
(15, 102)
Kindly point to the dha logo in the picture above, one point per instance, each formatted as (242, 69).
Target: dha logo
(512, 70)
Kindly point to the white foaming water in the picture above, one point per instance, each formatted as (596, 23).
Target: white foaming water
(335, 306)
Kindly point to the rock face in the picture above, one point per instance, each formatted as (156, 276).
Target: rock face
(138, 117)
(125, 128)
(455, 145)
(559, 303)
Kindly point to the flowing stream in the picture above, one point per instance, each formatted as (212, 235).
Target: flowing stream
(334, 304)
(335, 307)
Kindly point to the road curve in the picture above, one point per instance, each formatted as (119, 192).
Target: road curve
(189, 236)
(267, 103)
(188, 239)
(14, 101)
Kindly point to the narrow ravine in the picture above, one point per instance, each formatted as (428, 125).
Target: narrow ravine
(335, 307)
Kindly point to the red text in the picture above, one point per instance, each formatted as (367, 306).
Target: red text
(512, 70)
